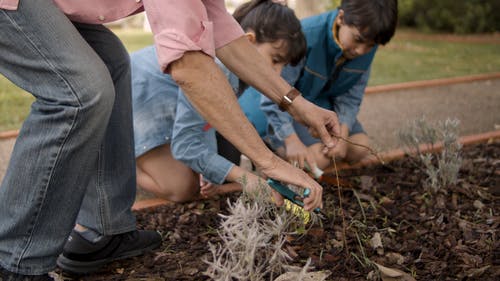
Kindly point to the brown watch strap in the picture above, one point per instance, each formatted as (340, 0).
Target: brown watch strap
(287, 99)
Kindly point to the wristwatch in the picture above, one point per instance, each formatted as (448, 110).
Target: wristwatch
(287, 99)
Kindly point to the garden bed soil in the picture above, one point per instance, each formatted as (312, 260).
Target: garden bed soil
(453, 235)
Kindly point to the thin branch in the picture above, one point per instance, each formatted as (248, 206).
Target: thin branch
(344, 237)
(373, 152)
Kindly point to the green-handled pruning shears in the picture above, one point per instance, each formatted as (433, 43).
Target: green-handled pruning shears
(290, 194)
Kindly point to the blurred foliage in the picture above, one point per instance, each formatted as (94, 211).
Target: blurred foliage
(462, 16)
(14, 105)
(333, 4)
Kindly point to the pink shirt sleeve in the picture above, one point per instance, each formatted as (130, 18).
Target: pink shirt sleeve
(9, 4)
(178, 25)
(189, 25)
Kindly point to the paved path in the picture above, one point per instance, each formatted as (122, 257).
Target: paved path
(475, 104)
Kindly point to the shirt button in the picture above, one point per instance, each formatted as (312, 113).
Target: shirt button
(137, 1)
(101, 18)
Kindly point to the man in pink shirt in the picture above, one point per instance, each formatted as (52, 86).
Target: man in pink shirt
(74, 161)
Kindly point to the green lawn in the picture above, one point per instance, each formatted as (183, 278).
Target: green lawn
(15, 103)
(403, 59)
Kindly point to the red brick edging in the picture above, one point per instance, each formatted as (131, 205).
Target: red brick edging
(395, 154)
(431, 83)
(9, 134)
(149, 203)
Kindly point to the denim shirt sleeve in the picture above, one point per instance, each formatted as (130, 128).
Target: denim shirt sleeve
(195, 145)
(347, 105)
(231, 77)
(281, 123)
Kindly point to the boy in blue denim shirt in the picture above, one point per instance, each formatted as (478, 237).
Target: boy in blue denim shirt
(341, 45)
(176, 150)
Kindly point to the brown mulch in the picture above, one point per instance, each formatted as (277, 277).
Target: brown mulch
(452, 235)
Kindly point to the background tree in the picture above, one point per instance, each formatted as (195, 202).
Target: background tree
(306, 8)
(464, 16)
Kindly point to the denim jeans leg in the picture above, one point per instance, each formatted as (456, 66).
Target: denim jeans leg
(55, 156)
(111, 193)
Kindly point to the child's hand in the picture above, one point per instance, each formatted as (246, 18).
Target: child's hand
(297, 153)
(207, 189)
(339, 151)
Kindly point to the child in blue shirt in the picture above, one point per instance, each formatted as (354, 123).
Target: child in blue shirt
(175, 148)
(341, 45)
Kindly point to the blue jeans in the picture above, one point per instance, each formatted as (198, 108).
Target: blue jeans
(73, 160)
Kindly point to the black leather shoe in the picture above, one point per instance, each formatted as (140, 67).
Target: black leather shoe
(10, 276)
(81, 256)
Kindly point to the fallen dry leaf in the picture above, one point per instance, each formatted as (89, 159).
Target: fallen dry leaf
(377, 243)
(366, 183)
(309, 276)
(392, 274)
(395, 258)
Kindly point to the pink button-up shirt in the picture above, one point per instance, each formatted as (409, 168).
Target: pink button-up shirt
(178, 25)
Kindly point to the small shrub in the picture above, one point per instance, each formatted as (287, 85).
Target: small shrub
(253, 235)
(441, 168)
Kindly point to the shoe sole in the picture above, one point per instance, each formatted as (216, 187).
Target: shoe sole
(84, 267)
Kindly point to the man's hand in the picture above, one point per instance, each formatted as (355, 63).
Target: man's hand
(340, 150)
(322, 123)
(280, 170)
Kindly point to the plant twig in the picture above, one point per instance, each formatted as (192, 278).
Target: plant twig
(360, 205)
(344, 239)
(373, 152)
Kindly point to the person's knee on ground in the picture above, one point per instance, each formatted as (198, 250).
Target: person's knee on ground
(357, 150)
(159, 173)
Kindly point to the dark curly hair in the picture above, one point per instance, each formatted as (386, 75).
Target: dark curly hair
(271, 22)
(375, 19)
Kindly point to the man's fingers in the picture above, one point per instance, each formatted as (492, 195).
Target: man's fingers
(315, 197)
(333, 128)
(278, 199)
(325, 137)
(301, 163)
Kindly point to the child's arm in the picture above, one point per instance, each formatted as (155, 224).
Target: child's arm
(193, 143)
(251, 181)
(279, 121)
(237, 179)
(347, 105)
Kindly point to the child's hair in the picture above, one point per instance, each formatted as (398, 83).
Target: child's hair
(271, 22)
(375, 19)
